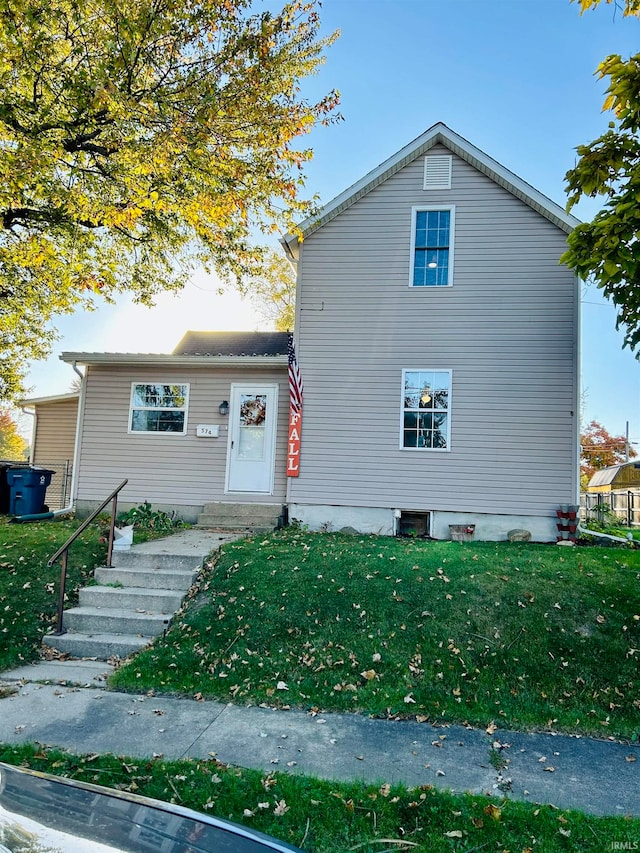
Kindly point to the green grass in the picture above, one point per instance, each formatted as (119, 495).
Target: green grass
(29, 589)
(329, 817)
(531, 636)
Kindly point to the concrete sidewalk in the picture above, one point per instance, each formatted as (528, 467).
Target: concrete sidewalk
(598, 777)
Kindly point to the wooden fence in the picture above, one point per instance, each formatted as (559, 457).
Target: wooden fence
(624, 503)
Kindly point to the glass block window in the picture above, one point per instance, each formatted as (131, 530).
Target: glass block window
(426, 409)
(158, 407)
(432, 248)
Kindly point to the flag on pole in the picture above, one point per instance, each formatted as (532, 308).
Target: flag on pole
(295, 412)
(295, 380)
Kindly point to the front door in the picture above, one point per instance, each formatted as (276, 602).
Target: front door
(252, 438)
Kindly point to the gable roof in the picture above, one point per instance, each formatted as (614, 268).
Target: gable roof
(606, 476)
(233, 343)
(439, 134)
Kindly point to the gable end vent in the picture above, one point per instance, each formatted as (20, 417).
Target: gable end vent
(437, 172)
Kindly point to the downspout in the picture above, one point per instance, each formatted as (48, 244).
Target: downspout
(34, 415)
(597, 533)
(76, 448)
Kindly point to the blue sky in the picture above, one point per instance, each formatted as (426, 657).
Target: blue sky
(514, 77)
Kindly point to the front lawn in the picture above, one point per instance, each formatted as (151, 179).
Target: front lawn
(333, 817)
(531, 636)
(29, 589)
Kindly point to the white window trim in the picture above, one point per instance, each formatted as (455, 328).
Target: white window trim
(452, 228)
(446, 449)
(184, 408)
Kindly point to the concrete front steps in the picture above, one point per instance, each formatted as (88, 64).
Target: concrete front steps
(135, 600)
(255, 518)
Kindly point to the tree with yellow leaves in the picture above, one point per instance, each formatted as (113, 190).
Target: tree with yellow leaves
(139, 141)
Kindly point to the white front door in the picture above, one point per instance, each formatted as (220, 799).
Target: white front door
(252, 438)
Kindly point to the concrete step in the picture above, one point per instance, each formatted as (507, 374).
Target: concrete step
(86, 673)
(240, 510)
(254, 517)
(147, 578)
(100, 646)
(131, 598)
(101, 620)
(210, 521)
(157, 562)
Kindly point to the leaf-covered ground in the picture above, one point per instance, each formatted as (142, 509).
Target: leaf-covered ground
(532, 636)
(329, 817)
(29, 588)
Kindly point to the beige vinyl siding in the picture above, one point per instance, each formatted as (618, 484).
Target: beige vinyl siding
(507, 329)
(53, 446)
(168, 468)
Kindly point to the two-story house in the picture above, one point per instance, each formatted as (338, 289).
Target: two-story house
(437, 338)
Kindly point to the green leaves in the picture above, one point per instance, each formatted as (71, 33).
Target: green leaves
(137, 142)
(607, 249)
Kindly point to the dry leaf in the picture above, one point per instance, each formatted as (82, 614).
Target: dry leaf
(369, 674)
(491, 728)
(549, 769)
(409, 699)
(493, 812)
(385, 789)
(629, 758)
(282, 685)
(281, 808)
(455, 833)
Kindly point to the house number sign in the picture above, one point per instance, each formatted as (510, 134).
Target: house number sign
(208, 430)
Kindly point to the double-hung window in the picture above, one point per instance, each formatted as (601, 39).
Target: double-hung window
(158, 407)
(426, 409)
(432, 246)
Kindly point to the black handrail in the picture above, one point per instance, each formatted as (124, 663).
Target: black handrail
(64, 549)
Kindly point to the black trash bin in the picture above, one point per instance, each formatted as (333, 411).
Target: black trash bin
(27, 489)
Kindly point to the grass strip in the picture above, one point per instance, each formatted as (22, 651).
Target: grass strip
(326, 817)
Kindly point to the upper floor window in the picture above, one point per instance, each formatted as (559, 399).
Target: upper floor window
(426, 408)
(432, 247)
(158, 407)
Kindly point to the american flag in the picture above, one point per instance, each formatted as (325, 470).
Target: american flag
(295, 380)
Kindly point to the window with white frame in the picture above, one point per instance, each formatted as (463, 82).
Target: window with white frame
(158, 407)
(432, 246)
(426, 409)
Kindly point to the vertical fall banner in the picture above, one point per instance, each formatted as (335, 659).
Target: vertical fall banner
(295, 412)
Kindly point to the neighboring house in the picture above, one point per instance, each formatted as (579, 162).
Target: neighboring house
(53, 442)
(437, 338)
(626, 475)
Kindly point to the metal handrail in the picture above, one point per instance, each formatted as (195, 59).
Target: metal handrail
(63, 551)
